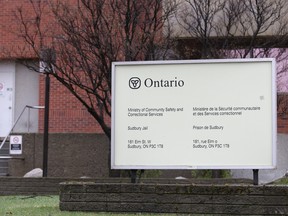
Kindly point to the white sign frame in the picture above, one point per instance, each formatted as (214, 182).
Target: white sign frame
(178, 74)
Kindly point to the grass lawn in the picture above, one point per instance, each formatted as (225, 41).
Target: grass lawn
(43, 205)
(33, 205)
(281, 181)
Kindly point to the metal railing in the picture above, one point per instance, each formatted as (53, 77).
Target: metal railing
(27, 106)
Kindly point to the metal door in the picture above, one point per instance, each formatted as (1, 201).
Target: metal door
(7, 73)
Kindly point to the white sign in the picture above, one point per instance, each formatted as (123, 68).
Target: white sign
(214, 114)
(15, 145)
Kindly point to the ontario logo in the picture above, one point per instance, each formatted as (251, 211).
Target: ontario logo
(134, 83)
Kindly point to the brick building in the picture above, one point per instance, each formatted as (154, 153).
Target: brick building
(22, 93)
(20, 87)
(67, 115)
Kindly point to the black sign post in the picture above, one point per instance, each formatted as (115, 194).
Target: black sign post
(46, 125)
(256, 176)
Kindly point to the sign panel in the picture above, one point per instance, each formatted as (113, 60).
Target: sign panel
(214, 114)
(15, 145)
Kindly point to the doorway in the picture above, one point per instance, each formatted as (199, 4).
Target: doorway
(7, 80)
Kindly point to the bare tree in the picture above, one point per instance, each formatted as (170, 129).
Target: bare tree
(233, 28)
(86, 36)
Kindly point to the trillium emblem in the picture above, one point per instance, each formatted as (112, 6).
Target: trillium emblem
(134, 83)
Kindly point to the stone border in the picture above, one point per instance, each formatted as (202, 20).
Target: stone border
(50, 185)
(174, 198)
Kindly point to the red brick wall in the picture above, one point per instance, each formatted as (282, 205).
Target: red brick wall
(282, 124)
(11, 45)
(67, 114)
(282, 112)
(7, 39)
